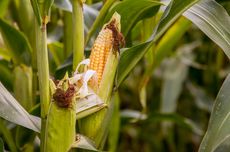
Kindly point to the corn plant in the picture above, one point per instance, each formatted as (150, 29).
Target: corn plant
(69, 67)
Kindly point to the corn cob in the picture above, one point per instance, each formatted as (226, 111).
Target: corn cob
(104, 60)
(100, 51)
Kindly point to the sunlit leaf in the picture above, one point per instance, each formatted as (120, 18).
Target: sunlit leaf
(12, 111)
(133, 11)
(218, 133)
(171, 14)
(213, 20)
(166, 44)
(131, 56)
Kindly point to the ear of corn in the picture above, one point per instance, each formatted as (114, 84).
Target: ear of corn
(104, 60)
(100, 51)
(61, 122)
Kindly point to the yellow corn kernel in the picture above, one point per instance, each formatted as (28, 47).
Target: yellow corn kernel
(100, 50)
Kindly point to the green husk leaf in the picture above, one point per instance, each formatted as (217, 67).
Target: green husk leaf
(61, 121)
(89, 105)
(84, 143)
(60, 128)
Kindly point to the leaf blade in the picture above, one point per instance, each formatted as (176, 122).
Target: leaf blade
(12, 111)
(17, 43)
(131, 56)
(219, 120)
(206, 16)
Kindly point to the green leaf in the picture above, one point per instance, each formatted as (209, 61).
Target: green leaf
(171, 14)
(99, 20)
(114, 128)
(7, 136)
(167, 43)
(218, 133)
(6, 76)
(4, 54)
(48, 5)
(213, 20)
(178, 119)
(17, 43)
(1, 145)
(131, 56)
(37, 12)
(3, 7)
(56, 49)
(12, 111)
(132, 11)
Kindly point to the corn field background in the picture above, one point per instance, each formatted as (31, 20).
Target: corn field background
(114, 75)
